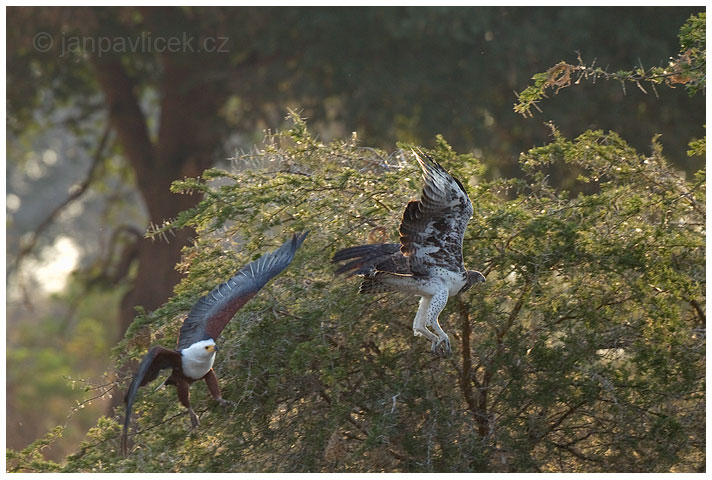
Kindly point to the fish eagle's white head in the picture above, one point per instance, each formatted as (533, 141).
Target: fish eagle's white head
(197, 360)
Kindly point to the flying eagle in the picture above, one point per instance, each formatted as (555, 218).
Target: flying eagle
(428, 261)
(193, 359)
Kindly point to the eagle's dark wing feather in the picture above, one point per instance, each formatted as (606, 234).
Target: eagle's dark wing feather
(433, 228)
(213, 311)
(157, 359)
(366, 259)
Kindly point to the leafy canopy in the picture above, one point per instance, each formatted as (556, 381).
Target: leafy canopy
(584, 351)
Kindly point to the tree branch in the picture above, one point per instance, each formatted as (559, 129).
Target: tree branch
(126, 116)
(74, 195)
(576, 453)
(114, 272)
(513, 314)
(464, 380)
(483, 386)
(699, 311)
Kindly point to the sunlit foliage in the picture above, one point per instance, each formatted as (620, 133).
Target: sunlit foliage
(584, 351)
(688, 69)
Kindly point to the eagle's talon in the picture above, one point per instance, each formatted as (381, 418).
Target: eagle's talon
(225, 403)
(194, 420)
(441, 347)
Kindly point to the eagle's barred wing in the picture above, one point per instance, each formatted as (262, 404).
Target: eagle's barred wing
(213, 311)
(433, 228)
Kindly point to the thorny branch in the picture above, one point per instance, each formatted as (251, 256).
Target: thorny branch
(563, 74)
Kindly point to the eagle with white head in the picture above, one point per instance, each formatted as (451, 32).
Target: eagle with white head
(193, 359)
(428, 261)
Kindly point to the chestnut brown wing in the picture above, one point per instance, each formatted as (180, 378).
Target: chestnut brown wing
(157, 359)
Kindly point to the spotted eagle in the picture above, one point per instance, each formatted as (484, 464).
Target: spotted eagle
(428, 260)
(193, 359)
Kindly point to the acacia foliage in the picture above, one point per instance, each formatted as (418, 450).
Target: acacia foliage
(584, 351)
(688, 69)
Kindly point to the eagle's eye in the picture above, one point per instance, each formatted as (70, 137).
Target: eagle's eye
(207, 348)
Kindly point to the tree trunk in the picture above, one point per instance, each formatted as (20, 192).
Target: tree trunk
(189, 135)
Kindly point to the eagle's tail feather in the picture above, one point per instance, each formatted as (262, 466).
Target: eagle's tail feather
(363, 258)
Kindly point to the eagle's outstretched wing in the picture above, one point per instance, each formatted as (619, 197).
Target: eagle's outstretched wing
(213, 311)
(157, 359)
(433, 228)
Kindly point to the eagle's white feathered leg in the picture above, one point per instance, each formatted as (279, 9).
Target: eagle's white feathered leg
(434, 295)
(441, 345)
(421, 318)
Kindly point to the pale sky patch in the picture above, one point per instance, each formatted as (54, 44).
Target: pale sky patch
(57, 261)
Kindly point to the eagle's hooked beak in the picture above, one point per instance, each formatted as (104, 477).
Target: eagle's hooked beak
(212, 348)
(473, 277)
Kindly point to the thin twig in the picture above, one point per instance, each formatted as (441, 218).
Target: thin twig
(97, 159)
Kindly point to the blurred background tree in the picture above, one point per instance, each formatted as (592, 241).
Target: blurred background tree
(104, 133)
